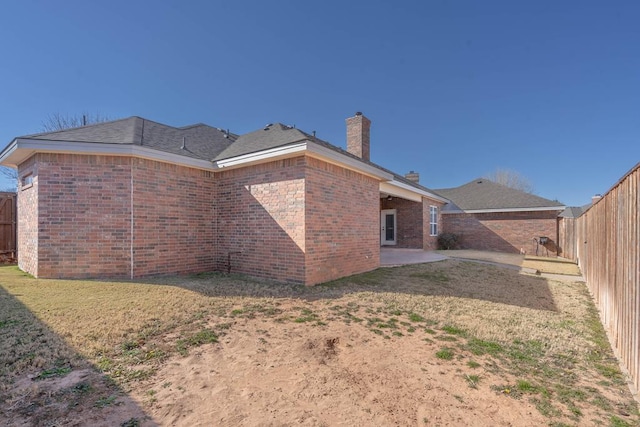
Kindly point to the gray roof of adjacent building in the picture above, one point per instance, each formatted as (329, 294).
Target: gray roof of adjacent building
(483, 194)
(574, 211)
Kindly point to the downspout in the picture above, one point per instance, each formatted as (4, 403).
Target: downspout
(131, 213)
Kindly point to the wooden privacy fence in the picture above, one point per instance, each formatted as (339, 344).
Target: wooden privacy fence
(567, 238)
(7, 226)
(606, 239)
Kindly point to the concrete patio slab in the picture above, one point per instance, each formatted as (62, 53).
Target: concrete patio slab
(390, 257)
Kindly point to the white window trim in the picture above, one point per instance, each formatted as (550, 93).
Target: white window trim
(433, 225)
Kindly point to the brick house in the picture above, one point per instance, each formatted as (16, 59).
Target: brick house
(489, 216)
(133, 198)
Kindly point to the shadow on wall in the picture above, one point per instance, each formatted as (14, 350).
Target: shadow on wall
(44, 381)
(259, 234)
(281, 221)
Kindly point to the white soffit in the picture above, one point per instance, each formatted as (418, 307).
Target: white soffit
(303, 148)
(333, 157)
(392, 190)
(261, 156)
(406, 191)
(21, 149)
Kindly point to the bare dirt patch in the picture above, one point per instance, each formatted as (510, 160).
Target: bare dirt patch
(448, 343)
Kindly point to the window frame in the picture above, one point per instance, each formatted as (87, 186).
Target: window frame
(26, 181)
(433, 220)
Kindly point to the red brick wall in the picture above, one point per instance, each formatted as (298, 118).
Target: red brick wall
(260, 213)
(173, 219)
(27, 239)
(343, 222)
(299, 220)
(83, 216)
(81, 206)
(503, 232)
(410, 222)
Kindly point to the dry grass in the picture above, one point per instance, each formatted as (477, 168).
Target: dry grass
(550, 265)
(542, 335)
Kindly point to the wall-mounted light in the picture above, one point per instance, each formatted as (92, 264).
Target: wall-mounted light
(389, 198)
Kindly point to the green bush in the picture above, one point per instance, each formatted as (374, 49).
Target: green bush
(448, 241)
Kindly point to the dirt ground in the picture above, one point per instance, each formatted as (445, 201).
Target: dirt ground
(335, 375)
(451, 343)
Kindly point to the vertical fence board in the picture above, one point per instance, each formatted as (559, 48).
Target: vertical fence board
(605, 242)
(7, 226)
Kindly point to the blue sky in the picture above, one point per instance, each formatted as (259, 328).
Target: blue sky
(455, 89)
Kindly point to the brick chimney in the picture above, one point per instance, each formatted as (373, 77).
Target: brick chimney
(358, 135)
(413, 176)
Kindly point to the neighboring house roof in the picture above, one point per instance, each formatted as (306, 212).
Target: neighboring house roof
(573, 211)
(483, 195)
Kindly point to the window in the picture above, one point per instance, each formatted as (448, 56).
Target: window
(27, 180)
(433, 220)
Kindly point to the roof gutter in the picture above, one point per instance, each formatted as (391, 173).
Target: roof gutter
(501, 210)
(304, 147)
(21, 149)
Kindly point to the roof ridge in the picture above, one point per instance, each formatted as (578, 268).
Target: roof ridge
(81, 127)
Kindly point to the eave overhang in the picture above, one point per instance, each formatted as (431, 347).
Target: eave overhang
(403, 190)
(21, 149)
(503, 210)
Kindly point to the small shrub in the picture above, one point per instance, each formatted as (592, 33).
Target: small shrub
(54, 372)
(415, 317)
(448, 241)
(445, 354)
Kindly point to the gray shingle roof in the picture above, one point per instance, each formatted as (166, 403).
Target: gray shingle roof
(278, 135)
(574, 211)
(200, 141)
(481, 194)
(271, 136)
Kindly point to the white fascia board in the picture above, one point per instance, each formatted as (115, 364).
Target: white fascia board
(334, 157)
(308, 148)
(7, 152)
(21, 149)
(398, 186)
(548, 208)
(262, 156)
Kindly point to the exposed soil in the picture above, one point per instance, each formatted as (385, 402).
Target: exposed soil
(338, 374)
(444, 344)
